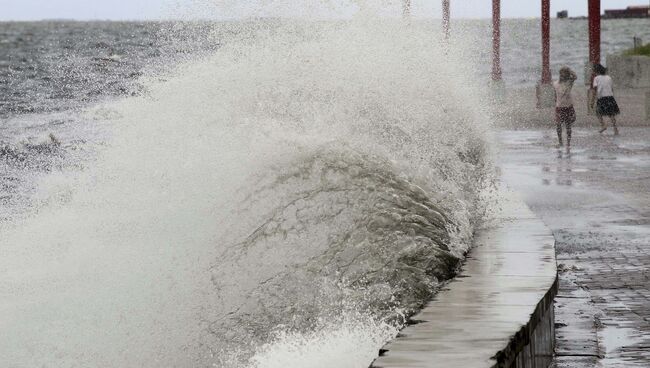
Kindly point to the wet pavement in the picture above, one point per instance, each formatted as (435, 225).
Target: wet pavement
(597, 203)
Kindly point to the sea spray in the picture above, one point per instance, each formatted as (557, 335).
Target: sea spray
(308, 183)
(349, 341)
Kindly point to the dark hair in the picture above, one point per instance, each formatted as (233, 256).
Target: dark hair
(599, 69)
(566, 75)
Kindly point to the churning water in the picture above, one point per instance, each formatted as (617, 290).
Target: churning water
(265, 193)
(283, 201)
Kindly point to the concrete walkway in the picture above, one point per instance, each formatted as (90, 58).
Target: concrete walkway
(505, 288)
(597, 202)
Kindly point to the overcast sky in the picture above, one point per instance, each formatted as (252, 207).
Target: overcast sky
(157, 9)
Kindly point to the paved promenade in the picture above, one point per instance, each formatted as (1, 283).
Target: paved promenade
(597, 203)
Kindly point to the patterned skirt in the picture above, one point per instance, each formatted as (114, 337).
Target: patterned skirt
(565, 115)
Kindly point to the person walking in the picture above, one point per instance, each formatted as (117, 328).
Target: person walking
(605, 102)
(565, 114)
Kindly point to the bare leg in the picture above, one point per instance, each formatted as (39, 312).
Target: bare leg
(568, 137)
(559, 133)
(603, 127)
(614, 124)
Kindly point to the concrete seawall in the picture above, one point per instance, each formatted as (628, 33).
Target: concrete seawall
(629, 71)
(498, 312)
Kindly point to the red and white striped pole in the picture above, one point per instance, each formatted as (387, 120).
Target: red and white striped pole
(496, 40)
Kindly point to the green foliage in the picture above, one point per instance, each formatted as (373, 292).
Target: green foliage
(643, 50)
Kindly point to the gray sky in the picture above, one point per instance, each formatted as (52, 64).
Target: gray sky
(156, 9)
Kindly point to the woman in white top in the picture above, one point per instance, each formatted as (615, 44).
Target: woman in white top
(606, 103)
(565, 114)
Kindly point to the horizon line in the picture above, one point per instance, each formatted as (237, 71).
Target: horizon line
(577, 17)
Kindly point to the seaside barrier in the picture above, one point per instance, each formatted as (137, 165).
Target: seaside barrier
(629, 71)
(498, 312)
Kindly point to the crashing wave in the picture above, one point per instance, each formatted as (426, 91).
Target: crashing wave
(308, 183)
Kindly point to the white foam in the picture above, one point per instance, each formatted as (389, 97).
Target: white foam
(322, 136)
(348, 343)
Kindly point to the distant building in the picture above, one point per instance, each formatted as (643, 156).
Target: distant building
(563, 14)
(642, 11)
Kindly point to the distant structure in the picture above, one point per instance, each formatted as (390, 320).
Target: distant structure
(642, 11)
(563, 14)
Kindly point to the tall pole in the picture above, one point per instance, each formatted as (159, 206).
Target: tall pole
(594, 31)
(445, 18)
(496, 40)
(406, 8)
(546, 41)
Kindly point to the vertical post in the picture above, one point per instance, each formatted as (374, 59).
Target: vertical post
(406, 8)
(496, 40)
(545, 91)
(445, 18)
(546, 41)
(594, 51)
(594, 31)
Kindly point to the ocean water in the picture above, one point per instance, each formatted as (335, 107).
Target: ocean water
(286, 195)
(264, 193)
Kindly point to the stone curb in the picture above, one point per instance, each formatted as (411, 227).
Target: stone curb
(521, 348)
(498, 312)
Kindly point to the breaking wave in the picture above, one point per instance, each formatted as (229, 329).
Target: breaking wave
(284, 202)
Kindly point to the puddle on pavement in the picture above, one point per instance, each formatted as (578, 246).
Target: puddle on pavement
(556, 169)
(614, 338)
(559, 182)
(602, 158)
